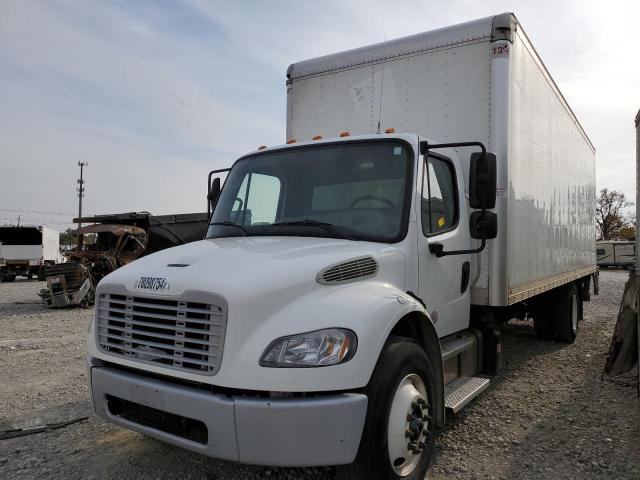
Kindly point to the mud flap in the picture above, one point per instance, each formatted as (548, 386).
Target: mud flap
(623, 352)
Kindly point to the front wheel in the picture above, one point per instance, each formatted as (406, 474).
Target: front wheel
(399, 432)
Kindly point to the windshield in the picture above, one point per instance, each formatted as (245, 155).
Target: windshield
(356, 190)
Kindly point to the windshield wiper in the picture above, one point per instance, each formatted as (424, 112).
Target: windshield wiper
(231, 224)
(327, 227)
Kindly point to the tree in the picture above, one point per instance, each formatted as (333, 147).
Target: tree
(629, 232)
(68, 239)
(610, 217)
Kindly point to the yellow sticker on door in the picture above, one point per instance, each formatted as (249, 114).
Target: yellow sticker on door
(441, 222)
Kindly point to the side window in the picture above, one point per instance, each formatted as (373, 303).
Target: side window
(257, 201)
(439, 203)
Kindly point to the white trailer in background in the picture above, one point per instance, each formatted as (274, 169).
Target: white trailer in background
(27, 250)
(616, 253)
(352, 282)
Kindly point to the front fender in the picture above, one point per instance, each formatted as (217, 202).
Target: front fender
(370, 309)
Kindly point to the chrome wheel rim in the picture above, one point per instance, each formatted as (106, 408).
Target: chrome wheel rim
(408, 426)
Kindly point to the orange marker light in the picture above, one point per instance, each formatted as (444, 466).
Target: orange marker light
(317, 137)
(344, 134)
(390, 130)
(262, 147)
(293, 140)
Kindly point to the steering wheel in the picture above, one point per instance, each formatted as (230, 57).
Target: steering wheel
(386, 201)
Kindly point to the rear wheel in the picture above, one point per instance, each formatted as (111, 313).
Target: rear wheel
(568, 313)
(399, 433)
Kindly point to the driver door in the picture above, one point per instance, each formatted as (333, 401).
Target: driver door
(443, 282)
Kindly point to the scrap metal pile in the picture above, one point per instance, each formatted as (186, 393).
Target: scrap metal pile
(110, 242)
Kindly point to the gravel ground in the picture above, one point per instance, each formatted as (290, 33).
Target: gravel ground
(547, 415)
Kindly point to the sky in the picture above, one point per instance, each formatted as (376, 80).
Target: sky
(155, 94)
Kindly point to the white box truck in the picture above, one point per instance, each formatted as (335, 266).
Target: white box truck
(353, 281)
(27, 250)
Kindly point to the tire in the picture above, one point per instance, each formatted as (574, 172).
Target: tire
(402, 386)
(568, 313)
(544, 318)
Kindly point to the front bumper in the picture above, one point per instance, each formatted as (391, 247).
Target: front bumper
(291, 432)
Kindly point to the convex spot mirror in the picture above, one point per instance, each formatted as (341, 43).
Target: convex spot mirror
(214, 192)
(482, 181)
(483, 225)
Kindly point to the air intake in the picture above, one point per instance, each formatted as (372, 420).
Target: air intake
(349, 271)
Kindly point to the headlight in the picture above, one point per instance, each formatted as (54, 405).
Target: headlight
(321, 348)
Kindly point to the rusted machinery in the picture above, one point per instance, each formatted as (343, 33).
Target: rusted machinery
(109, 242)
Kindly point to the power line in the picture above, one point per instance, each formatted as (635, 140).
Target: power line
(35, 211)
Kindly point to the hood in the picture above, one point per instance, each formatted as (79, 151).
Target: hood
(233, 266)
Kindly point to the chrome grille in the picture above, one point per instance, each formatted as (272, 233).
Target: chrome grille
(349, 271)
(175, 333)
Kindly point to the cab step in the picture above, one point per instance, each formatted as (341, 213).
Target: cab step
(462, 390)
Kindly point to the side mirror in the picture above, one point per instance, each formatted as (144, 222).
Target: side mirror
(212, 196)
(483, 225)
(482, 181)
(213, 189)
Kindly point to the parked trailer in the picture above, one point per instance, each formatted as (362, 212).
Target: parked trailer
(612, 253)
(352, 281)
(27, 250)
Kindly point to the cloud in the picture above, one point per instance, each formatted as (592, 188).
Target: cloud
(155, 94)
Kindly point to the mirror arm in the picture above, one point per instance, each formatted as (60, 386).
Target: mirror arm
(426, 146)
(438, 249)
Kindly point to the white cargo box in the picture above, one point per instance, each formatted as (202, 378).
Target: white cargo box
(482, 81)
(29, 243)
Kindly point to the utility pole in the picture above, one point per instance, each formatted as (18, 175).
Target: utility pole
(19, 216)
(80, 195)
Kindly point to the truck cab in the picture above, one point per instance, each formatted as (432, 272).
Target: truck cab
(318, 264)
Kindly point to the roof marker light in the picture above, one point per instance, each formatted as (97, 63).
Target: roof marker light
(289, 142)
(317, 137)
(344, 134)
(262, 147)
(390, 130)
